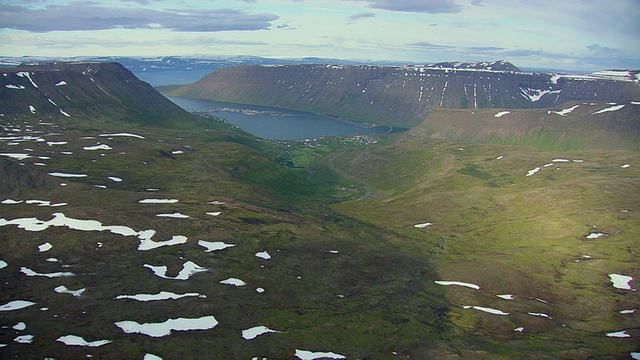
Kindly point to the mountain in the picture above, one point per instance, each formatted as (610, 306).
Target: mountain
(403, 96)
(173, 236)
(171, 70)
(104, 90)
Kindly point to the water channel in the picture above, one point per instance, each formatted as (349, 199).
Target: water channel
(278, 124)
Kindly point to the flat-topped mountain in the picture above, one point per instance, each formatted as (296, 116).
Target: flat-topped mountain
(500, 65)
(403, 96)
(106, 90)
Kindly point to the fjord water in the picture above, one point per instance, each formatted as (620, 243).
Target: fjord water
(277, 124)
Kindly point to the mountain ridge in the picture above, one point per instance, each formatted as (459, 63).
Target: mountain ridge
(402, 96)
(84, 89)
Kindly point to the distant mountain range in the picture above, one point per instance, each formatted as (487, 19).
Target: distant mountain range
(404, 95)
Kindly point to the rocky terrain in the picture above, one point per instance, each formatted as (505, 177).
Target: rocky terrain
(404, 96)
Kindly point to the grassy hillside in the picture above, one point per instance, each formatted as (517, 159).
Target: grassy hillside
(532, 237)
(317, 241)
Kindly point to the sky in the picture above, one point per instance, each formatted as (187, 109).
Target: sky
(583, 35)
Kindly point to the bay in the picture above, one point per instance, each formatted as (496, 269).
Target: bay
(278, 124)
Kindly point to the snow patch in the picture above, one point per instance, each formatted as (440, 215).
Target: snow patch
(619, 334)
(74, 340)
(423, 225)
(189, 268)
(565, 112)
(122, 134)
(98, 147)
(458, 283)
(621, 281)
(233, 281)
(609, 109)
(165, 328)
(214, 245)
(45, 247)
(63, 290)
(256, 331)
(67, 175)
(174, 215)
(263, 255)
(16, 305)
(487, 310)
(163, 295)
(502, 113)
(310, 355)
(158, 201)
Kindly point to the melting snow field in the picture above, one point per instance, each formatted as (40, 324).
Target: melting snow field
(621, 281)
(165, 328)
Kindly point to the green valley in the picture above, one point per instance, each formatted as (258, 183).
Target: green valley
(468, 236)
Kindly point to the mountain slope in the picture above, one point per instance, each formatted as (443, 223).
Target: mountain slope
(103, 90)
(401, 96)
(194, 226)
(572, 126)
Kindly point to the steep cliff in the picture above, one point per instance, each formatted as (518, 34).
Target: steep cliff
(104, 90)
(403, 96)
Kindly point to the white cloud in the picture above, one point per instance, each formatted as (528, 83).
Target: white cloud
(85, 16)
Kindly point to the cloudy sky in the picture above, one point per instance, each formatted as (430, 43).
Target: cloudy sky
(554, 34)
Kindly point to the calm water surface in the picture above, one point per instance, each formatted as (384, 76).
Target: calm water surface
(277, 124)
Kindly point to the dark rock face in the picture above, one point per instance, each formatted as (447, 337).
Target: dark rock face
(107, 90)
(403, 95)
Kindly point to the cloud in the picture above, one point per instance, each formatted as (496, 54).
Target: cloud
(429, 46)
(361, 15)
(600, 50)
(421, 6)
(83, 16)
